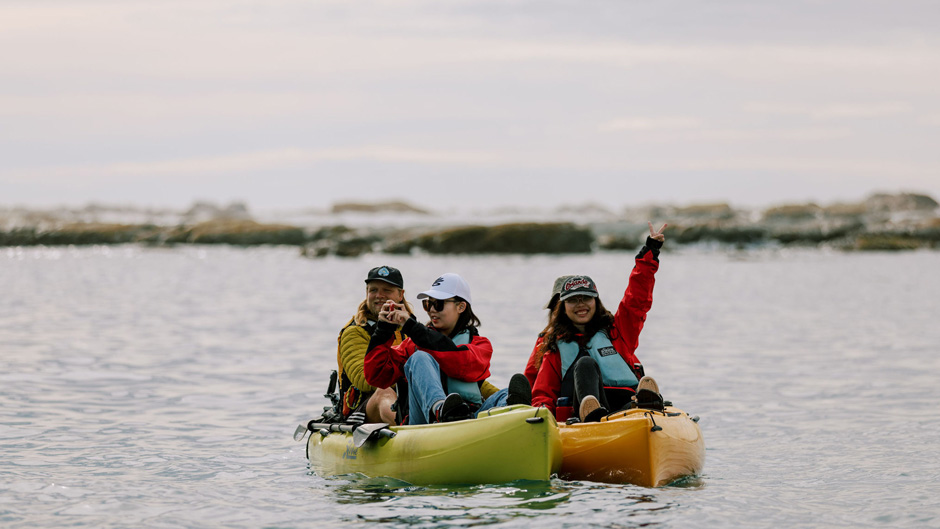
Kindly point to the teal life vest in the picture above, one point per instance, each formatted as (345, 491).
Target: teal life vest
(470, 391)
(615, 373)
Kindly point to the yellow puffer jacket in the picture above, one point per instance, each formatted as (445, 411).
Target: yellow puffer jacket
(351, 355)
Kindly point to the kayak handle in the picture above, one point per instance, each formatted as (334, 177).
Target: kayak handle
(655, 427)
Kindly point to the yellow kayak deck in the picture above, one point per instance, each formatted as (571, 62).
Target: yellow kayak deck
(642, 447)
(501, 445)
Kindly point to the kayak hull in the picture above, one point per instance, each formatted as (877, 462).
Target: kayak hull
(501, 445)
(641, 447)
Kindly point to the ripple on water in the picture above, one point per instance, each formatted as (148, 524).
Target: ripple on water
(160, 388)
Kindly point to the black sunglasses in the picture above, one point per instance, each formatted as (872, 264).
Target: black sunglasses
(438, 304)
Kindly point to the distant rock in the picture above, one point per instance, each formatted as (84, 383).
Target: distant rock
(79, 234)
(884, 242)
(792, 213)
(394, 206)
(879, 222)
(686, 215)
(845, 211)
(721, 211)
(340, 241)
(591, 208)
(716, 231)
(517, 238)
(207, 211)
(237, 232)
(901, 202)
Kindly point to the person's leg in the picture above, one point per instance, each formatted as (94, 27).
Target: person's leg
(587, 381)
(589, 396)
(379, 406)
(424, 386)
(494, 401)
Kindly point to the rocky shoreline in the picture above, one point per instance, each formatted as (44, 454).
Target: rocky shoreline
(904, 221)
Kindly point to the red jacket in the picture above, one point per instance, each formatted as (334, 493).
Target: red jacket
(624, 333)
(384, 363)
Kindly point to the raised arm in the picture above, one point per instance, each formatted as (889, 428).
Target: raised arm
(638, 296)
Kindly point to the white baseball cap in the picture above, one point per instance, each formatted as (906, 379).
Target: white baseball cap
(448, 286)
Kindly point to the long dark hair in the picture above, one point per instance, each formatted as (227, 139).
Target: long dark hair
(466, 319)
(561, 328)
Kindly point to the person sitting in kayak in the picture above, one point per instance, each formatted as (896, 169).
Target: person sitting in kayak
(445, 363)
(383, 283)
(585, 356)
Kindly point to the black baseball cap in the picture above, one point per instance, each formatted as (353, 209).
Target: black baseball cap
(388, 274)
(578, 286)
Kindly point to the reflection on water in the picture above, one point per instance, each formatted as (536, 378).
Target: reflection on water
(390, 501)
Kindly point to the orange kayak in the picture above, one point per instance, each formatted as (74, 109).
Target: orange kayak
(643, 447)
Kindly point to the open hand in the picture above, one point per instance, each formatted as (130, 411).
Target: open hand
(657, 235)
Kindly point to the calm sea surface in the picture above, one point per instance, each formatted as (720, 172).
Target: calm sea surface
(148, 387)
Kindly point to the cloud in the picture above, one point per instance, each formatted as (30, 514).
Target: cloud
(215, 40)
(641, 124)
(875, 109)
(134, 91)
(265, 160)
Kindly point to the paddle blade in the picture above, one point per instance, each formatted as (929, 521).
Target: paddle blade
(367, 431)
(300, 432)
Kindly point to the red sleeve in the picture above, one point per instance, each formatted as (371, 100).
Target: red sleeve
(637, 301)
(384, 362)
(470, 362)
(548, 382)
(531, 371)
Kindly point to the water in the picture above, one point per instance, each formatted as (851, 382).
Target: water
(160, 387)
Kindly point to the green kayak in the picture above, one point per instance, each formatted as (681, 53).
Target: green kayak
(501, 445)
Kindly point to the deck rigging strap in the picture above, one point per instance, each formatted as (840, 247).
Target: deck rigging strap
(361, 432)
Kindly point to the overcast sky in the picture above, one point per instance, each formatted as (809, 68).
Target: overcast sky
(303, 103)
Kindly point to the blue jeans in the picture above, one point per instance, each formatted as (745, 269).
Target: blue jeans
(425, 388)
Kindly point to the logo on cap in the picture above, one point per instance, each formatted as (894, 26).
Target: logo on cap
(383, 271)
(437, 282)
(580, 282)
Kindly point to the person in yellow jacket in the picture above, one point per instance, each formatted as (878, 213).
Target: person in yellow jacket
(383, 283)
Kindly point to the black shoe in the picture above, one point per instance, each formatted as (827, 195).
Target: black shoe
(452, 409)
(519, 390)
(649, 400)
(596, 415)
